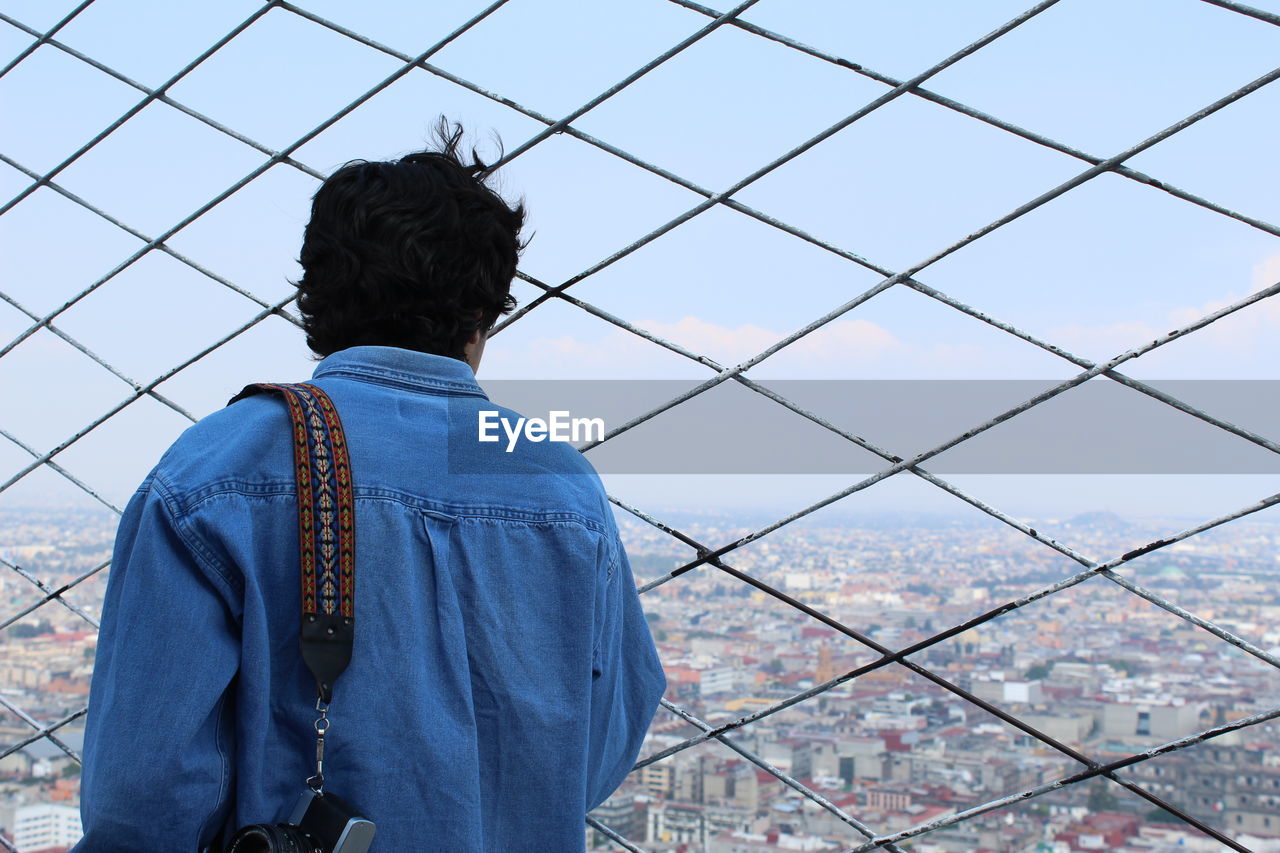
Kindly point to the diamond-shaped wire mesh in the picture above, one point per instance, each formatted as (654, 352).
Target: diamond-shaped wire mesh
(191, 87)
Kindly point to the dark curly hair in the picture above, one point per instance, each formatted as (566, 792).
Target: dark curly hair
(416, 253)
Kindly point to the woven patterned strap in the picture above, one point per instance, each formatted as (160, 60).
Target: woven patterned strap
(326, 529)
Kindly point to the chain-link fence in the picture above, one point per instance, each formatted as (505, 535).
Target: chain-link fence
(51, 455)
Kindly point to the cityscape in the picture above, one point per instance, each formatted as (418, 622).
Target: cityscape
(1093, 667)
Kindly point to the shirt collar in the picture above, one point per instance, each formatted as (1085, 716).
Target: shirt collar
(402, 368)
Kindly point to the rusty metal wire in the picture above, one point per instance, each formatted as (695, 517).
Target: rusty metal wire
(707, 555)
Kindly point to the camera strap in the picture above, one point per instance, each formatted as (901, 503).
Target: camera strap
(326, 542)
(326, 535)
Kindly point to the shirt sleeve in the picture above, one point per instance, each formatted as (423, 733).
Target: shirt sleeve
(627, 682)
(159, 735)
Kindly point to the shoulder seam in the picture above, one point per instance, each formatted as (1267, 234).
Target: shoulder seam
(204, 555)
(615, 546)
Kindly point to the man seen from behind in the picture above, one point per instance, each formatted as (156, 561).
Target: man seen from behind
(502, 675)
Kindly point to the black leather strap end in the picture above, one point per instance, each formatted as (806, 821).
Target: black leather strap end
(327, 641)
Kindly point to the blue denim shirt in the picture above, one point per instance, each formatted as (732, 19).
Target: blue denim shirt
(503, 674)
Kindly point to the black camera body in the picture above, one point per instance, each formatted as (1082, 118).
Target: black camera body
(319, 823)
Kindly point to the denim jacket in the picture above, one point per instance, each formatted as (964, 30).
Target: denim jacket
(503, 674)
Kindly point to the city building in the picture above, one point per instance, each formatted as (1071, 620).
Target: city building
(46, 829)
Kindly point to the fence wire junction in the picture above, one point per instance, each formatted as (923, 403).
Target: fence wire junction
(862, 836)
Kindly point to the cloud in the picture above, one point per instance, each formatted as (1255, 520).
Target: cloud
(1224, 347)
(839, 340)
(1266, 273)
(842, 349)
(1240, 345)
(728, 345)
(615, 352)
(1246, 334)
(1099, 342)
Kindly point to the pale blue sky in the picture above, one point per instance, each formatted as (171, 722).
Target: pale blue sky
(1109, 265)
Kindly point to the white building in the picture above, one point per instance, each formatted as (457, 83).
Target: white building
(45, 827)
(719, 679)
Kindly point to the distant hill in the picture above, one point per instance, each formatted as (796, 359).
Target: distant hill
(1099, 520)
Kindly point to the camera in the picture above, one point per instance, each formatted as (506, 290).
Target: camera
(320, 823)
